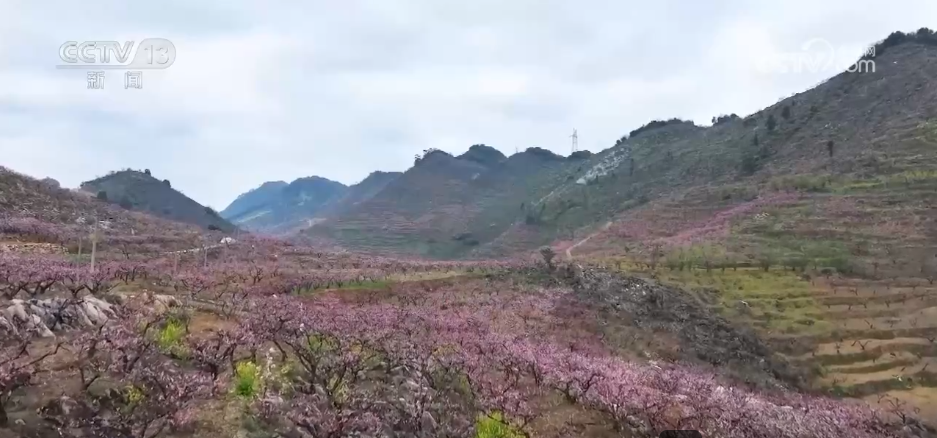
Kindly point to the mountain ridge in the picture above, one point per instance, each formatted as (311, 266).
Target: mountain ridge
(661, 159)
(140, 191)
(477, 203)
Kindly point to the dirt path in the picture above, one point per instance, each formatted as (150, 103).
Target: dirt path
(569, 251)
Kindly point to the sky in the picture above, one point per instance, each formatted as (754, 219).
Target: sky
(268, 90)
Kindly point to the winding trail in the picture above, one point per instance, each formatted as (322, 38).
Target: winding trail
(569, 251)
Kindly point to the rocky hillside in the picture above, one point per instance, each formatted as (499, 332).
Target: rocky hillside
(855, 125)
(865, 139)
(140, 191)
(875, 123)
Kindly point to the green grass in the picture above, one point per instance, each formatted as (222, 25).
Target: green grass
(779, 300)
(925, 379)
(170, 335)
(366, 285)
(804, 182)
(348, 286)
(494, 425)
(893, 181)
(247, 379)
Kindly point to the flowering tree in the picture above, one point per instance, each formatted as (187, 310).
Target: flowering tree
(153, 395)
(20, 362)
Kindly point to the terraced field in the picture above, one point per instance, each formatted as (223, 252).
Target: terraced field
(838, 273)
(872, 339)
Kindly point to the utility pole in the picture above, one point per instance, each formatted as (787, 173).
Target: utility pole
(94, 244)
(575, 137)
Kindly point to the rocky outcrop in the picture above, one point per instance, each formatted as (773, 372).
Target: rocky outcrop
(43, 317)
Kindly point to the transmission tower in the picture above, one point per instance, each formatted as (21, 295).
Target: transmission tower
(575, 137)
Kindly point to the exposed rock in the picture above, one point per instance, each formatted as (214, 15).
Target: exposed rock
(428, 422)
(42, 317)
(160, 303)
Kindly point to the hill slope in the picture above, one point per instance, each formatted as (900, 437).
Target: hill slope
(139, 191)
(22, 196)
(855, 125)
(446, 206)
(836, 141)
(278, 208)
(814, 221)
(360, 192)
(256, 198)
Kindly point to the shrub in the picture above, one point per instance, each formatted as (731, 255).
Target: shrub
(752, 160)
(133, 394)
(548, 254)
(724, 118)
(247, 379)
(102, 195)
(147, 172)
(786, 112)
(922, 36)
(654, 124)
(169, 338)
(771, 123)
(542, 153)
(166, 181)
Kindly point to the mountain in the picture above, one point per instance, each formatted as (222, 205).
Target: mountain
(483, 154)
(446, 206)
(256, 198)
(139, 191)
(360, 192)
(847, 134)
(278, 208)
(22, 196)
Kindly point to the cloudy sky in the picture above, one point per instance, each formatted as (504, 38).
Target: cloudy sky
(268, 90)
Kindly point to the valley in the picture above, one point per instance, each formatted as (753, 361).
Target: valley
(771, 275)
